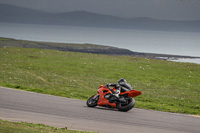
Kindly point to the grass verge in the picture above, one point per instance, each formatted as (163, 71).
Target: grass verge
(23, 127)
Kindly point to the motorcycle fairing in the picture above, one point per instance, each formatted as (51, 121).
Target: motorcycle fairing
(131, 93)
(102, 91)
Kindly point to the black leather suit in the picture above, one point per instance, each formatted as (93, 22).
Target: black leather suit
(121, 87)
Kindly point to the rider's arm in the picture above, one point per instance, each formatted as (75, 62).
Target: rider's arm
(113, 85)
(116, 85)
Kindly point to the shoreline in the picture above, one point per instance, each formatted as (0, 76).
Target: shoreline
(89, 48)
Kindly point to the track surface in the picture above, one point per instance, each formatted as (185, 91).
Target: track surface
(17, 105)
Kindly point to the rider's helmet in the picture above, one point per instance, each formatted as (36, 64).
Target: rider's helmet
(122, 82)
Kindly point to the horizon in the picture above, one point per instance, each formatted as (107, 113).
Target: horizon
(189, 31)
(96, 13)
(156, 9)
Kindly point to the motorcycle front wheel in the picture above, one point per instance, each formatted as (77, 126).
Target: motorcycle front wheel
(126, 106)
(91, 102)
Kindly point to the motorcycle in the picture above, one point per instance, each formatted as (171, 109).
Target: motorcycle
(104, 98)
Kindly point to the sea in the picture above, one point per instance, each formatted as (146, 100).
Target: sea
(161, 42)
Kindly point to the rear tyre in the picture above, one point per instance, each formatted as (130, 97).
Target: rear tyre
(92, 102)
(128, 106)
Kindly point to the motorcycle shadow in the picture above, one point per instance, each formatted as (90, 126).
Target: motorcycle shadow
(103, 108)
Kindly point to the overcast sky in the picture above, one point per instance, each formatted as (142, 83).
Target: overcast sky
(160, 9)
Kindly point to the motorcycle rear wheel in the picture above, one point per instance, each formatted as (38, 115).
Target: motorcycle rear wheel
(126, 107)
(91, 102)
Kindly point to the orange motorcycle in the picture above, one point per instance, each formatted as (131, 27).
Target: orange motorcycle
(104, 98)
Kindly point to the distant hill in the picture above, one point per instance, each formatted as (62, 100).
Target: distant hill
(14, 14)
(84, 48)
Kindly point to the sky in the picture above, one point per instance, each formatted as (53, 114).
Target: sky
(159, 9)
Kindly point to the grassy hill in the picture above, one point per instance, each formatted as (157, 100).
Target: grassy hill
(166, 86)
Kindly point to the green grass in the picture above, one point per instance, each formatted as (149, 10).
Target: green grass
(166, 86)
(5, 39)
(23, 127)
(9, 42)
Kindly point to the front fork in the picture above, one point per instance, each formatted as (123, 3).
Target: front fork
(96, 97)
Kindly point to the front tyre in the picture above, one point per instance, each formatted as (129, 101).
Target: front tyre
(91, 102)
(126, 106)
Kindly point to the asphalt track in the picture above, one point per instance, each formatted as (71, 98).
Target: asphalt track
(17, 105)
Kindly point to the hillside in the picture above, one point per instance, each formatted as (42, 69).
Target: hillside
(14, 14)
(84, 48)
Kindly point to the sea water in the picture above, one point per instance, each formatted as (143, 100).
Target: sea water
(161, 42)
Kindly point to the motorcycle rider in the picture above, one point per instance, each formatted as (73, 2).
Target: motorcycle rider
(121, 86)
